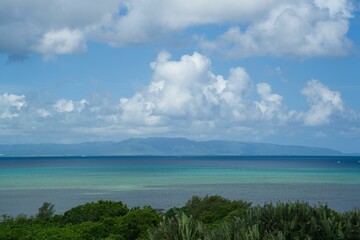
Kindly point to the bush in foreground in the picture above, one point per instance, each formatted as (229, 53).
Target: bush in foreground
(207, 218)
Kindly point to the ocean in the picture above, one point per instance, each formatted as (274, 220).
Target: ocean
(164, 182)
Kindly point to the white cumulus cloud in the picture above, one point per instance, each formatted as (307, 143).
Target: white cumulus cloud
(188, 92)
(184, 97)
(64, 105)
(64, 41)
(301, 28)
(270, 104)
(10, 105)
(323, 103)
(296, 29)
(67, 106)
(43, 113)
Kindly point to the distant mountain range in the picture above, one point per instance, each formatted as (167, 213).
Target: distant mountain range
(160, 146)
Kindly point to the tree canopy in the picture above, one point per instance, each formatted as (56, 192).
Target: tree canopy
(201, 218)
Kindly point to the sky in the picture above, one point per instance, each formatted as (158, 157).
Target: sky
(276, 71)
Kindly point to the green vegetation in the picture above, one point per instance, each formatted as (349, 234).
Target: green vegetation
(46, 211)
(208, 218)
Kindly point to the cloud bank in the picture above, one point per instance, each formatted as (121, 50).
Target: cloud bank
(184, 97)
(298, 28)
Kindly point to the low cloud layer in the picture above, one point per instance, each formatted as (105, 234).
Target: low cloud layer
(183, 98)
(301, 28)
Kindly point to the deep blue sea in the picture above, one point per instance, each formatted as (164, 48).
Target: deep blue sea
(164, 182)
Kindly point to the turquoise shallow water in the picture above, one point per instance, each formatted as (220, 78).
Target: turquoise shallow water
(167, 180)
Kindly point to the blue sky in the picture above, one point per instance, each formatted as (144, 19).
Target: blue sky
(284, 72)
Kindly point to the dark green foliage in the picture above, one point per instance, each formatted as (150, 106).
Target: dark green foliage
(54, 233)
(179, 227)
(90, 230)
(238, 231)
(45, 211)
(5, 217)
(352, 224)
(93, 212)
(136, 222)
(208, 218)
(296, 220)
(99, 220)
(172, 212)
(213, 209)
(291, 221)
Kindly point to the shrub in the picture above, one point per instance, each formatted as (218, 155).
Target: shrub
(136, 222)
(93, 212)
(45, 211)
(179, 227)
(212, 210)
